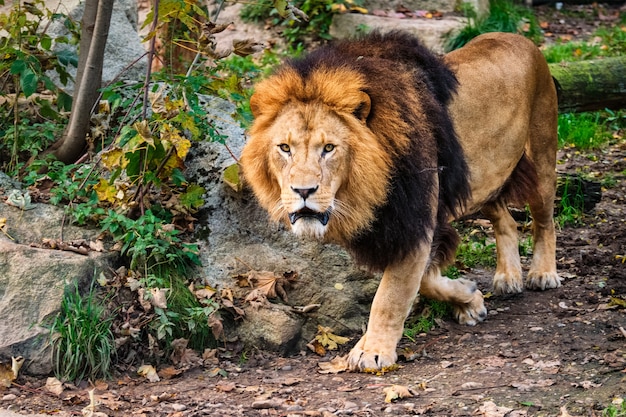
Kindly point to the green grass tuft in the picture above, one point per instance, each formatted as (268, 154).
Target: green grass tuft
(82, 339)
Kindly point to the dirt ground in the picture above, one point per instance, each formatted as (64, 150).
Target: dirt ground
(556, 353)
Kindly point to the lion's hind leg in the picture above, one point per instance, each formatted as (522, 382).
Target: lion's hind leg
(508, 276)
(542, 274)
(465, 298)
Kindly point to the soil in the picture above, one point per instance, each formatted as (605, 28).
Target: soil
(560, 352)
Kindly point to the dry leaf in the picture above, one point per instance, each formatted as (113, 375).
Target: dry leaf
(244, 48)
(159, 297)
(490, 409)
(163, 397)
(209, 357)
(169, 372)
(226, 387)
(317, 347)
(338, 364)
(329, 340)
(396, 392)
(257, 298)
(149, 373)
(54, 386)
(205, 293)
(216, 325)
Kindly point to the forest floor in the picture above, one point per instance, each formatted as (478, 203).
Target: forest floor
(560, 352)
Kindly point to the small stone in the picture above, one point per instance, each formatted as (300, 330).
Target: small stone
(178, 407)
(9, 397)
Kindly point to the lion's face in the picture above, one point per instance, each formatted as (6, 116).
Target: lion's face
(307, 160)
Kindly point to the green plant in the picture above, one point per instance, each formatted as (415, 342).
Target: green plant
(430, 311)
(584, 131)
(618, 409)
(504, 16)
(27, 56)
(475, 249)
(570, 206)
(605, 42)
(82, 339)
(150, 244)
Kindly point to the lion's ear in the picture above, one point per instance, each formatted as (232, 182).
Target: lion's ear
(363, 109)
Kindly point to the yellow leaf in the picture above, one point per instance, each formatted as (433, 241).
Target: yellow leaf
(281, 8)
(329, 340)
(105, 191)
(149, 373)
(231, 177)
(616, 301)
(358, 9)
(112, 158)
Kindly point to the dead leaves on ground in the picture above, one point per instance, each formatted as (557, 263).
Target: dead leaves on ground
(268, 284)
(326, 340)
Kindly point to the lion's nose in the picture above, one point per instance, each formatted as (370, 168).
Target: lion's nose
(304, 192)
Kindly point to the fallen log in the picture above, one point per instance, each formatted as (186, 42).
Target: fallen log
(591, 85)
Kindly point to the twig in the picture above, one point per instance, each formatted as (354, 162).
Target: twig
(621, 329)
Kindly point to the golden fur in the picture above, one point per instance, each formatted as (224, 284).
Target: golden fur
(357, 144)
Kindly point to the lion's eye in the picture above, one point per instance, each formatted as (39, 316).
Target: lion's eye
(329, 147)
(284, 147)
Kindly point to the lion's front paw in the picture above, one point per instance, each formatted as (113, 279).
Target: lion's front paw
(374, 355)
(472, 312)
(507, 283)
(542, 280)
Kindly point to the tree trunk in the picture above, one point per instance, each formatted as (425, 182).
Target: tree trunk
(591, 85)
(88, 78)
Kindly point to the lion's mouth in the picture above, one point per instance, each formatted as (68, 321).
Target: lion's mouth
(307, 213)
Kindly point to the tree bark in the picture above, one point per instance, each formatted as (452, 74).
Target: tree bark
(89, 79)
(591, 85)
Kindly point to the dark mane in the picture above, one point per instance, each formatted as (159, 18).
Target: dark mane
(406, 80)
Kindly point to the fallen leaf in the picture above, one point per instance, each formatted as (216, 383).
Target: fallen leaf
(396, 392)
(54, 386)
(335, 366)
(226, 387)
(149, 373)
(564, 413)
(586, 385)
(166, 396)
(530, 384)
(231, 173)
(316, 347)
(271, 284)
(257, 298)
(159, 298)
(169, 372)
(490, 409)
(329, 340)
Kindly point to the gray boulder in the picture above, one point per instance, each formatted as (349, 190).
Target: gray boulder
(432, 32)
(32, 280)
(236, 236)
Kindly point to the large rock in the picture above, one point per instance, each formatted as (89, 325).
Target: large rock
(33, 280)
(432, 32)
(123, 46)
(236, 235)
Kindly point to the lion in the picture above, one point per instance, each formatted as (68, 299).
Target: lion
(377, 144)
